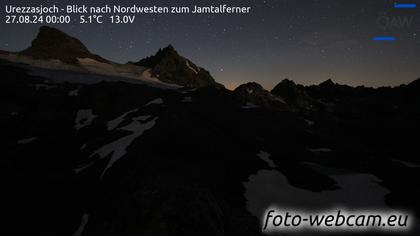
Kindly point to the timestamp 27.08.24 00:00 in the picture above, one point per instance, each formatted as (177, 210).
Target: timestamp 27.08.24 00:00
(67, 19)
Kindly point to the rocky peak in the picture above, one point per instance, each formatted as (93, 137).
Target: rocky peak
(293, 94)
(329, 91)
(52, 43)
(413, 91)
(288, 89)
(254, 93)
(327, 83)
(251, 88)
(170, 67)
(284, 84)
(152, 61)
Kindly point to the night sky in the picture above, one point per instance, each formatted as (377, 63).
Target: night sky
(307, 41)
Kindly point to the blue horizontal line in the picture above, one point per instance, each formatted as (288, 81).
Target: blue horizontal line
(407, 5)
(384, 38)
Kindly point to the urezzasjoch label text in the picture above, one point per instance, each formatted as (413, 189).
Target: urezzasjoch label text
(84, 14)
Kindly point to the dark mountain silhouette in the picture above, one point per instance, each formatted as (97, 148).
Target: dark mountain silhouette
(168, 66)
(329, 97)
(415, 85)
(293, 94)
(327, 84)
(255, 94)
(52, 43)
(330, 91)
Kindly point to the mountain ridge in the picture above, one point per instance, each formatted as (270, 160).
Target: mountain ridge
(51, 43)
(169, 66)
(254, 94)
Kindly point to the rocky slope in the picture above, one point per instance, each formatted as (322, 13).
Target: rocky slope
(294, 95)
(170, 67)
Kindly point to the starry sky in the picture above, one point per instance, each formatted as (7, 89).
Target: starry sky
(307, 41)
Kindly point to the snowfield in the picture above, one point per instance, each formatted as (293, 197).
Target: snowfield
(271, 188)
(89, 71)
(84, 118)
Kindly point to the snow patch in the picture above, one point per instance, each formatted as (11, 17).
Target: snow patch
(82, 225)
(320, 150)
(27, 140)
(249, 105)
(407, 164)
(157, 101)
(142, 118)
(187, 99)
(147, 74)
(83, 147)
(309, 122)
(265, 156)
(118, 148)
(117, 121)
(187, 63)
(82, 168)
(44, 86)
(279, 99)
(74, 93)
(84, 118)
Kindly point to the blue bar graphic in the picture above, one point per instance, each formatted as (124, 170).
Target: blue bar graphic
(405, 5)
(384, 38)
